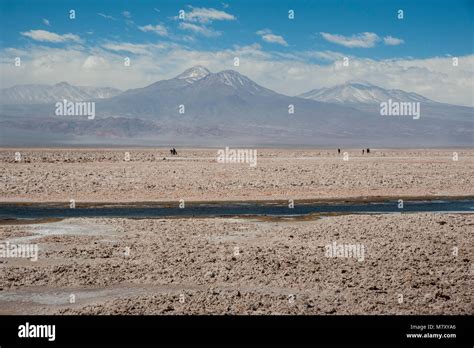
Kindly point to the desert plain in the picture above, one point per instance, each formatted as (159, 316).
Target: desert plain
(90, 175)
(414, 263)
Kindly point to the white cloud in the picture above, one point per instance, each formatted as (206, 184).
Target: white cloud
(199, 29)
(330, 56)
(93, 62)
(48, 36)
(128, 47)
(268, 36)
(46, 22)
(138, 49)
(157, 29)
(127, 14)
(392, 41)
(207, 15)
(364, 40)
(107, 16)
(203, 17)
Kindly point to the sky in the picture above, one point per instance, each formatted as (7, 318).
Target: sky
(412, 51)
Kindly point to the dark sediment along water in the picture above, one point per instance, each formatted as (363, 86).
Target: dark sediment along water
(154, 210)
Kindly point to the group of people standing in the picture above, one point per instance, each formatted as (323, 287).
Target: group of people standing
(363, 151)
(174, 152)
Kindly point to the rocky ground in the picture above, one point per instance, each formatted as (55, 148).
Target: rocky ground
(60, 175)
(412, 264)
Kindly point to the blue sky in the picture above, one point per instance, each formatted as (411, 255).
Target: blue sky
(322, 33)
(429, 27)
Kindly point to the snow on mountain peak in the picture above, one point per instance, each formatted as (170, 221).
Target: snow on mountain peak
(360, 83)
(238, 81)
(194, 74)
(360, 92)
(232, 78)
(229, 78)
(42, 94)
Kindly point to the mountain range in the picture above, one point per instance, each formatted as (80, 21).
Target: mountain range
(201, 108)
(41, 94)
(361, 93)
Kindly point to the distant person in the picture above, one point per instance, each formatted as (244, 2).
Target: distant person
(362, 151)
(339, 151)
(368, 150)
(174, 151)
(171, 151)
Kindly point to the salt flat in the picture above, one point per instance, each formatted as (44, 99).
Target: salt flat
(105, 175)
(234, 266)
